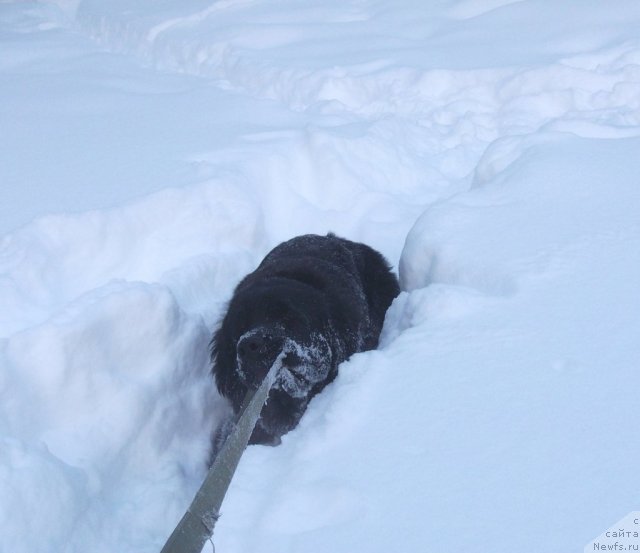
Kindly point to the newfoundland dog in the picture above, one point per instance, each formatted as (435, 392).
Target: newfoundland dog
(317, 300)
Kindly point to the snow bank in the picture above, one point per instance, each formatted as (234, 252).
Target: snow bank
(96, 413)
(152, 152)
(546, 208)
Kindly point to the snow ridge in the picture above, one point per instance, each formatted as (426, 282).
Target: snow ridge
(488, 149)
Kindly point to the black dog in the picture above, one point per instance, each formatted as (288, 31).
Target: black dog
(318, 299)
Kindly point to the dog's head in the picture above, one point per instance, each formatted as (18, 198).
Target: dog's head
(280, 317)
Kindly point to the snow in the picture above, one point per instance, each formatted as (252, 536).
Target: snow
(152, 152)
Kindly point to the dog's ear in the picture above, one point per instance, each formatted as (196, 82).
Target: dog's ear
(223, 358)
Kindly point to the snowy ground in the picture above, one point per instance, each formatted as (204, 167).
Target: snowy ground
(152, 152)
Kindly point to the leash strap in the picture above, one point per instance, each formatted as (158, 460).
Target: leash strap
(197, 524)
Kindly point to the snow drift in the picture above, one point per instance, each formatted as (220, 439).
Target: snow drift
(151, 153)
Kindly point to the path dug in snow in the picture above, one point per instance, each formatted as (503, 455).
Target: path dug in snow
(163, 149)
(487, 420)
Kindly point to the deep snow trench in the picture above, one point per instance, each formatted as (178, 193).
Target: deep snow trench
(152, 152)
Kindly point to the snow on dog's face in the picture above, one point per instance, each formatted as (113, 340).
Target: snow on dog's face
(275, 321)
(303, 366)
